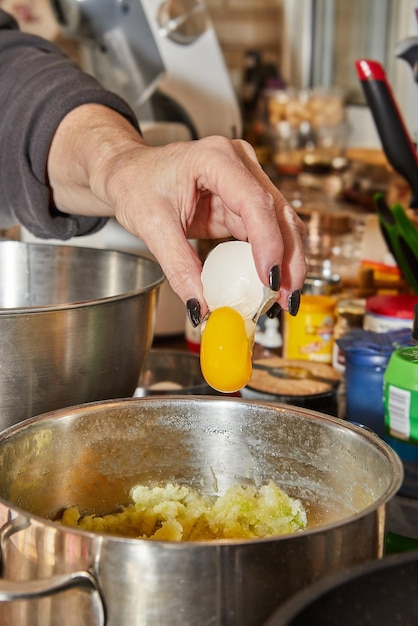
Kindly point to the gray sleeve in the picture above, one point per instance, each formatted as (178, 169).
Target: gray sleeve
(39, 85)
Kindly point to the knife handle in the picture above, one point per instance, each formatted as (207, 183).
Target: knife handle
(397, 144)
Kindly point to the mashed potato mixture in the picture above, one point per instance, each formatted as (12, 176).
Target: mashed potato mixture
(179, 513)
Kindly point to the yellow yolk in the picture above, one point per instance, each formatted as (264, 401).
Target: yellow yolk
(225, 351)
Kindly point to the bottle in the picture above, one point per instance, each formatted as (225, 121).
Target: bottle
(401, 424)
(268, 334)
(400, 398)
(251, 88)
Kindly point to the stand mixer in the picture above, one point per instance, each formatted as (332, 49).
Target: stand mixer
(161, 56)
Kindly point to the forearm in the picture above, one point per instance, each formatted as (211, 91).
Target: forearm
(39, 87)
(84, 155)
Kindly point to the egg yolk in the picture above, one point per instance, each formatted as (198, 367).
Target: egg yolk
(225, 351)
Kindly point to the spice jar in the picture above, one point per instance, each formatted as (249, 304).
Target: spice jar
(310, 334)
(387, 312)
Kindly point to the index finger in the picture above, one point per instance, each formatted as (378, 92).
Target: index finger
(274, 231)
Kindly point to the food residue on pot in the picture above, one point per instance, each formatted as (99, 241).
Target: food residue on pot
(177, 512)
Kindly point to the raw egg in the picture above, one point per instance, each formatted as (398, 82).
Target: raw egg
(235, 296)
(225, 351)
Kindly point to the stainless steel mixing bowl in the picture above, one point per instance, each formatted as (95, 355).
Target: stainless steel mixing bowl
(76, 325)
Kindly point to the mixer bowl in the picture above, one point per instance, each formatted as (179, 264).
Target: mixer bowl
(76, 325)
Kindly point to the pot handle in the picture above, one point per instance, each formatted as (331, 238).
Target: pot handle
(31, 589)
(11, 590)
(34, 589)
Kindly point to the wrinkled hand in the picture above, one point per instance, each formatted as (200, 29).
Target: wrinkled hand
(209, 188)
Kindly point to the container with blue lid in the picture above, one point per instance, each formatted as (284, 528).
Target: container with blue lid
(367, 355)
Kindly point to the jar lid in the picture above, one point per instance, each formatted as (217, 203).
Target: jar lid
(397, 306)
(402, 370)
(351, 306)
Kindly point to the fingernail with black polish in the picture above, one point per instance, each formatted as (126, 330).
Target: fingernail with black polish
(274, 310)
(274, 278)
(293, 302)
(193, 311)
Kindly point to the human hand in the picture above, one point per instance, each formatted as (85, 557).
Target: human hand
(209, 188)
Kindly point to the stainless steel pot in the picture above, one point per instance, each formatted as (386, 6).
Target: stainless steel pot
(92, 455)
(76, 325)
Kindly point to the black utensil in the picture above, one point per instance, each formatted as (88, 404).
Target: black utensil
(393, 134)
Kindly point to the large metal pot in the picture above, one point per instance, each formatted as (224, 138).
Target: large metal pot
(93, 454)
(76, 325)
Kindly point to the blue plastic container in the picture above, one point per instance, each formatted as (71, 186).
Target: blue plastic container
(367, 355)
(364, 373)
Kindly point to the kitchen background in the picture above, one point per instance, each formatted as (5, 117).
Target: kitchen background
(240, 25)
(280, 31)
(269, 44)
(274, 50)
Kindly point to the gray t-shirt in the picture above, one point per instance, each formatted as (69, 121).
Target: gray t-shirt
(39, 85)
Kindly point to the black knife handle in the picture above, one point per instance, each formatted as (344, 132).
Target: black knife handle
(397, 145)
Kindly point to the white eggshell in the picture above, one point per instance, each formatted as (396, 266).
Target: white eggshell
(230, 278)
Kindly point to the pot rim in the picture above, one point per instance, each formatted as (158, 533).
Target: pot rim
(78, 304)
(57, 414)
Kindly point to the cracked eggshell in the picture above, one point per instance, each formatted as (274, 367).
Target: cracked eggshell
(230, 278)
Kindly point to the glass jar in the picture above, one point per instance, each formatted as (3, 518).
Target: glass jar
(310, 334)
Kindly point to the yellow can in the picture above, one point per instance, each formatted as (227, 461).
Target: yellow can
(310, 334)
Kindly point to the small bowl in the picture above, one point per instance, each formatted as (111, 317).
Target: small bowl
(168, 372)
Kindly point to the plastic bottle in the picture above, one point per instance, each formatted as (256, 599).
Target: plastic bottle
(401, 423)
(400, 398)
